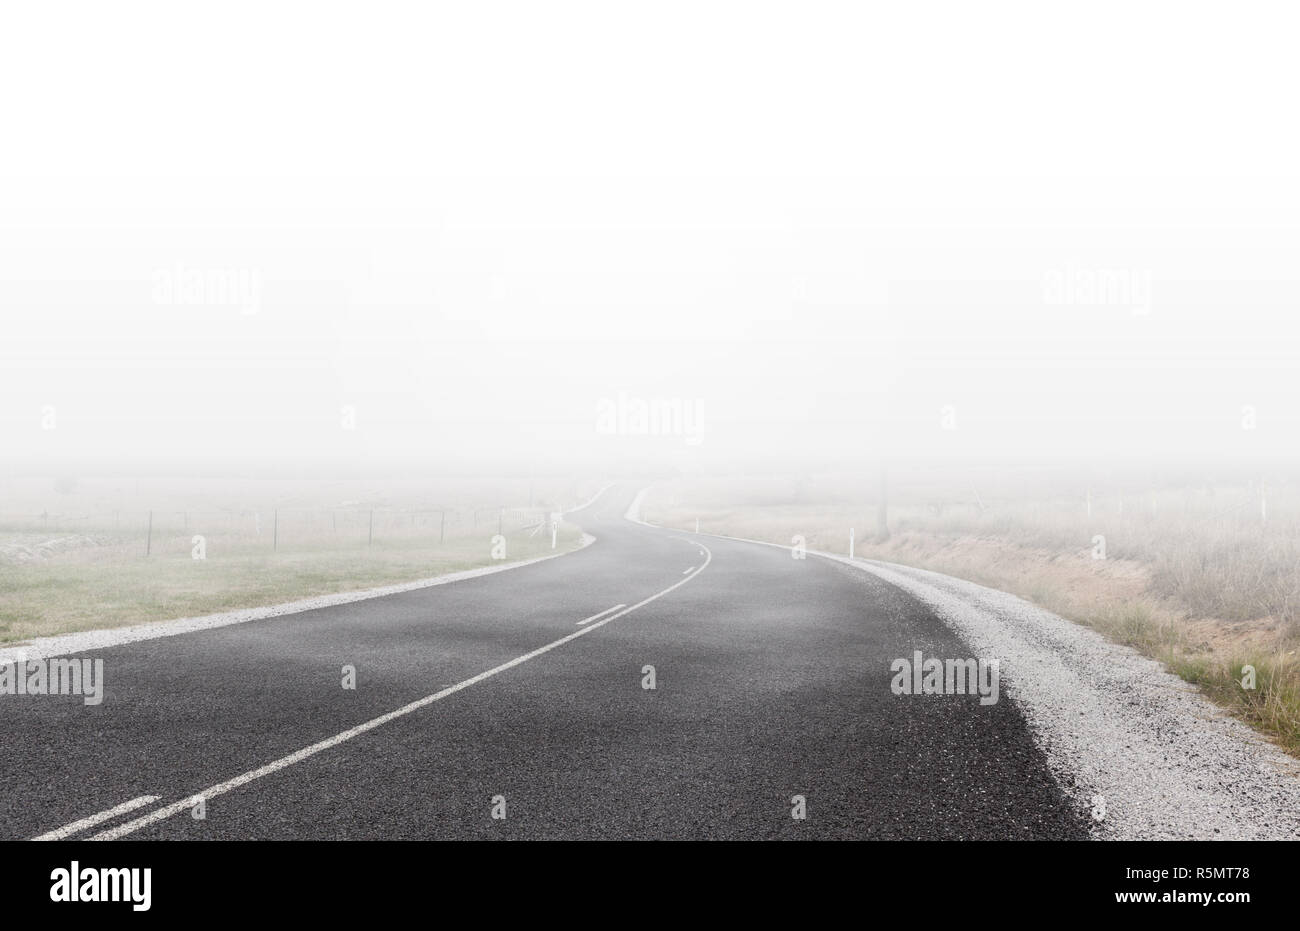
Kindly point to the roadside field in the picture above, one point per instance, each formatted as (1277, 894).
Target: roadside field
(98, 556)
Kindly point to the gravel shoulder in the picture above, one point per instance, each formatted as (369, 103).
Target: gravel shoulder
(1114, 724)
(1128, 740)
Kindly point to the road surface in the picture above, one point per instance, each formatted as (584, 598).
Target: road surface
(772, 680)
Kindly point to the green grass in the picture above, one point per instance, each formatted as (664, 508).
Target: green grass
(116, 584)
(1272, 706)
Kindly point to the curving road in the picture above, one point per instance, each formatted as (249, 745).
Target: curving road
(772, 679)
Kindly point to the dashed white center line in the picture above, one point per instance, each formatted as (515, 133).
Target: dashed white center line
(77, 826)
(600, 614)
(174, 808)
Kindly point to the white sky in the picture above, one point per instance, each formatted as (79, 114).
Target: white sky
(823, 222)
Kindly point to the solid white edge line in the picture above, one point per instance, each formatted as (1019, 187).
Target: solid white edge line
(599, 614)
(78, 826)
(130, 827)
(84, 641)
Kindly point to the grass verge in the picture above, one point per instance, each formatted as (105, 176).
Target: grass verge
(112, 584)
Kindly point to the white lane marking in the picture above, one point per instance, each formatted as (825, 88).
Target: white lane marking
(130, 827)
(688, 569)
(77, 826)
(86, 640)
(600, 614)
(590, 501)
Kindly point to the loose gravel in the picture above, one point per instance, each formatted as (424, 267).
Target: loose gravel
(1164, 761)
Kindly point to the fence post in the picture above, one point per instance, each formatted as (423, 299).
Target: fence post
(882, 514)
(148, 545)
(275, 530)
(370, 538)
(442, 524)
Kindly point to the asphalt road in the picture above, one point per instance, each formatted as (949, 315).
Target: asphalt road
(772, 680)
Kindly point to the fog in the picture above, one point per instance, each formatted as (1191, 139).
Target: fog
(723, 237)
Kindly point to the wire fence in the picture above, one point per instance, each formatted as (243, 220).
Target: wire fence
(276, 528)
